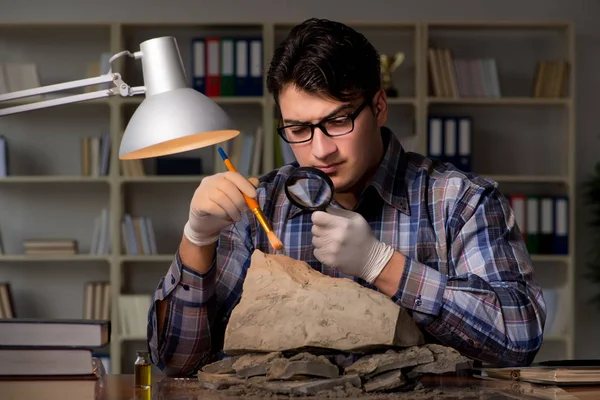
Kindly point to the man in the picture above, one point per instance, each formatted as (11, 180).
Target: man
(441, 243)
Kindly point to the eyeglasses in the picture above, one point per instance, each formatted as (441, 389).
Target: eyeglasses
(332, 127)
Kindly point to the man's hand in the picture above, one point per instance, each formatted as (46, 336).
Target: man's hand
(344, 240)
(216, 204)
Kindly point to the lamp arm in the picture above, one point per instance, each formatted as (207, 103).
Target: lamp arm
(55, 102)
(137, 55)
(119, 88)
(57, 87)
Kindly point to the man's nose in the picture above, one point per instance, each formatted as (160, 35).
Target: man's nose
(322, 145)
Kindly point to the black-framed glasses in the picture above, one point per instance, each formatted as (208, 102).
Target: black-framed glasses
(332, 126)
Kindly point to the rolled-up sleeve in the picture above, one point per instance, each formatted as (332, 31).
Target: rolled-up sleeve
(184, 342)
(198, 305)
(489, 306)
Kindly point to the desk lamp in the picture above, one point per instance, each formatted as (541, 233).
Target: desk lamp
(173, 117)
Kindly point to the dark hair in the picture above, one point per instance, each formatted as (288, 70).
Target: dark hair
(325, 58)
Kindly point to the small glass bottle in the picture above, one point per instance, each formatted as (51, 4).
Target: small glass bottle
(142, 370)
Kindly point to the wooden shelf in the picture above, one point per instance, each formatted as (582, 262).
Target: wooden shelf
(549, 258)
(52, 258)
(21, 102)
(147, 258)
(401, 101)
(155, 179)
(54, 179)
(555, 179)
(136, 100)
(498, 24)
(502, 101)
(163, 179)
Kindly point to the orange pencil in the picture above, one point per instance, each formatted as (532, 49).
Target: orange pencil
(253, 204)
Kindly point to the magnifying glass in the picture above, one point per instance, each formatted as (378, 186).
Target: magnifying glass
(309, 189)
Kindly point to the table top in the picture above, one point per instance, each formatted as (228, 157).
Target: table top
(120, 387)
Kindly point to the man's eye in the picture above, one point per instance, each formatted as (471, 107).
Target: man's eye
(337, 121)
(299, 130)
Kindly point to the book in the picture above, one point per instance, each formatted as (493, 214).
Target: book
(50, 389)
(510, 389)
(45, 362)
(71, 333)
(560, 375)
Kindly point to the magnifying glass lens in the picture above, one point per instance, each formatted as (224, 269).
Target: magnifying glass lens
(309, 188)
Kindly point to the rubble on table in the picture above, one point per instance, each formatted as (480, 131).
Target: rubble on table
(306, 374)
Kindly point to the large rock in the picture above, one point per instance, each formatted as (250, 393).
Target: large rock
(286, 305)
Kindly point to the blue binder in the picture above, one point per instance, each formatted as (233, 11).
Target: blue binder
(198, 68)
(435, 137)
(451, 141)
(255, 67)
(465, 143)
(242, 68)
(561, 225)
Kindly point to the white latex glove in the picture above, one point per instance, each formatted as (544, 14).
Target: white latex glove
(216, 203)
(344, 240)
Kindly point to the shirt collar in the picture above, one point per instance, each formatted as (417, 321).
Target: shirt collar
(389, 178)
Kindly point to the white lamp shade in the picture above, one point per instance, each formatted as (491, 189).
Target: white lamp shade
(173, 122)
(174, 117)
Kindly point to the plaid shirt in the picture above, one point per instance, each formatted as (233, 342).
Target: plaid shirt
(467, 279)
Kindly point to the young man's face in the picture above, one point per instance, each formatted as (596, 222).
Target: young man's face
(344, 158)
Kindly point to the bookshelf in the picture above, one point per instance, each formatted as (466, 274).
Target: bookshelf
(46, 196)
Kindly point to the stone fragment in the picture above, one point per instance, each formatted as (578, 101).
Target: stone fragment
(374, 364)
(387, 381)
(305, 356)
(308, 387)
(447, 359)
(254, 364)
(304, 364)
(286, 305)
(346, 391)
(218, 381)
(224, 366)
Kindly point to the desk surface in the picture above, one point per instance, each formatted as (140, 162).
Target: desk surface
(120, 387)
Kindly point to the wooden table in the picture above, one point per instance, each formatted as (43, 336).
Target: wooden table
(120, 387)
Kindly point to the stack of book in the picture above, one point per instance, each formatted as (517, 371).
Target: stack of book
(50, 246)
(41, 358)
(138, 235)
(95, 155)
(100, 244)
(96, 305)
(455, 78)
(551, 78)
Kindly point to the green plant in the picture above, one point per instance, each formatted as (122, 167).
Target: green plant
(592, 198)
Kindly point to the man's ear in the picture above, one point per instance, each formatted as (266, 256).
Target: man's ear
(380, 107)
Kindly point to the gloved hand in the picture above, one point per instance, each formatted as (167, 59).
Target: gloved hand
(217, 202)
(344, 240)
